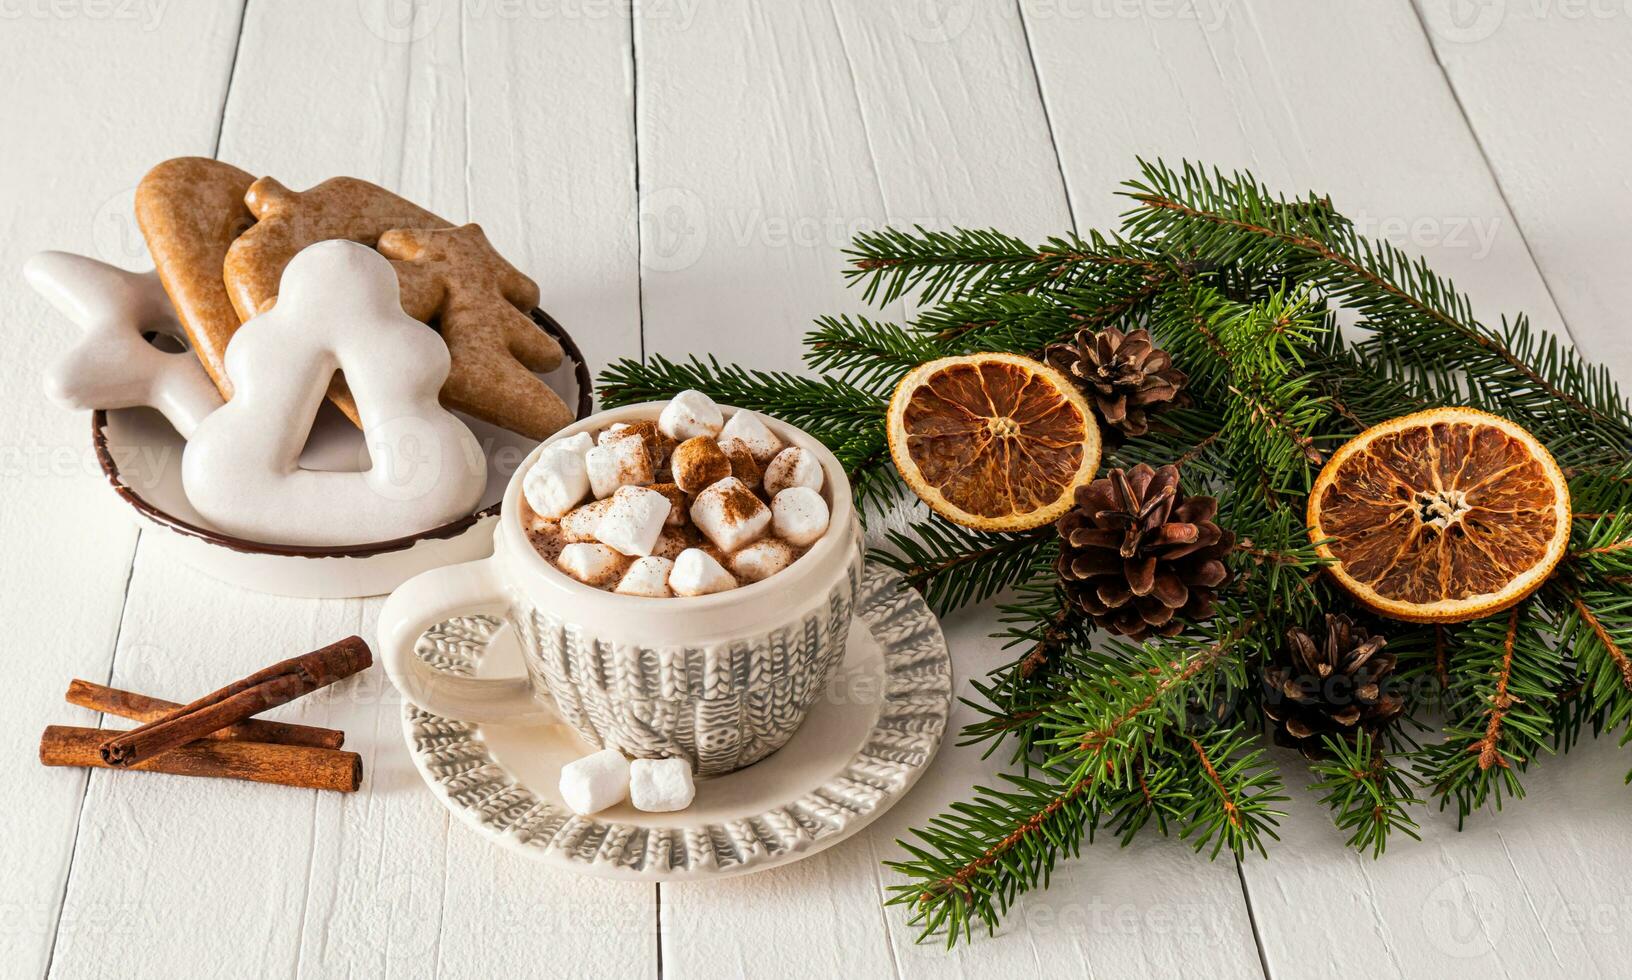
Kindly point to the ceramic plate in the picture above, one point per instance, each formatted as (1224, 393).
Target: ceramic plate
(140, 453)
(860, 750)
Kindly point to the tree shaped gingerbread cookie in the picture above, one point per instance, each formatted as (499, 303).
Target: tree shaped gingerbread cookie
(453, 279)
(477, 298)
(338, 310)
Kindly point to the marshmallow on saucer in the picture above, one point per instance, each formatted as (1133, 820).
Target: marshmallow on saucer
(595, 782)
(792, 467)
(761, 560)
(648, 576)
(748, 431)
(556, 482)
(696, 572)
(633, 522)
(592, 564)
(730, 515)
(690, 414)
(798, 516)
(660, 785)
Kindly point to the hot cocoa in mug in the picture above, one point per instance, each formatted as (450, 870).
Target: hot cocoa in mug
(681, 577)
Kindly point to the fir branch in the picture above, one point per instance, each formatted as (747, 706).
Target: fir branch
(1422, 324)
(1488, 749)
(953, 566)
(1598, 632)
(1368, 796)
(1231, 806)
(939, 265)
(1500, 719)
(869, 354)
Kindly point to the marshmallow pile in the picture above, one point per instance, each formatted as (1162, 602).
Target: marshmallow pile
(688, 505)
(595, 782)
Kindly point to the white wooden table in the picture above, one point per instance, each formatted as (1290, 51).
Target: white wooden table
(681, 181)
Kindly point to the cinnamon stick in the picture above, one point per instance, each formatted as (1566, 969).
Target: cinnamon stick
(278, 684)
(143, 708)
(257, 762)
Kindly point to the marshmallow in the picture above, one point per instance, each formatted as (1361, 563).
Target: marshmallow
(658, 446)
(761, 560)
(730, 515)
(633, 522)
(556, 482)
(799, 516)
(699, 462)
(648, 576)
(579, 524)
(748, 431)
(580, 443)
(618, 463)
(690, 414)
(677, 503)
(592, 564)
(696, 572)
(792, 467)
(743, 466)
(674, 540)
(595, 782)
(660, 785)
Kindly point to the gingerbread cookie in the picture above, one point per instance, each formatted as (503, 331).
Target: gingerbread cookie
(477, 299)
(288, 221)
(339, 309)
(190, 210)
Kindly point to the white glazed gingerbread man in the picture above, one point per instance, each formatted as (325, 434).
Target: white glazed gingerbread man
(338, 309)
(113, 365)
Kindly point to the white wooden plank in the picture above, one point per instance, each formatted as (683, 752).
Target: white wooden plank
(525, 124)
(755, 169)
(1353, 104)
(847, 118)
(1544, 88)
(144, 84)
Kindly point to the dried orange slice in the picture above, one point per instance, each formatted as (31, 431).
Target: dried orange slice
(996, 442)
(1441, 516)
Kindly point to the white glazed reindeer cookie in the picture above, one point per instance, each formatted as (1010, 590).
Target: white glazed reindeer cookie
(337, 309)
(113, 365)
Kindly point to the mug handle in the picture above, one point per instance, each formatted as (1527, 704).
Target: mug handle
(429, 598)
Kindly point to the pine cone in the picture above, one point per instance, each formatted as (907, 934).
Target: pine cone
(1138, 556)
(1336, 684)
(1128, 378)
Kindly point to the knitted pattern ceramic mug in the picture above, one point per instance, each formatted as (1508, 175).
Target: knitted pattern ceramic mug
(722, 680)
